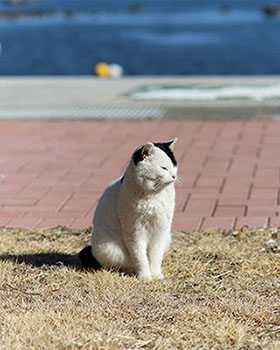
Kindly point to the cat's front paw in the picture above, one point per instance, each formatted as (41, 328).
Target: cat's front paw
(145, 277)
(158, 276)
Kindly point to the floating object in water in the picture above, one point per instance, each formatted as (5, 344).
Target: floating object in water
(102, 69)
(105, 70)
(271, 10)
(116, 70)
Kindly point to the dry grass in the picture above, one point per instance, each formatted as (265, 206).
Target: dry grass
(221, 291)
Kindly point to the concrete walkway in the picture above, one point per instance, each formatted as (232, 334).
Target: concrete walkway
(93, 98)
(53, 172)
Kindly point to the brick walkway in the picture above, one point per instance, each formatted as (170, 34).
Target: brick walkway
(52, 173)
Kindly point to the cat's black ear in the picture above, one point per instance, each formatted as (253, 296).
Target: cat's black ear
(170, 144)
(147, 150)
(143, 152)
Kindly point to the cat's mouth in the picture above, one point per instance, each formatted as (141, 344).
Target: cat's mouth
(174, 178)
(171, 181)
(160, 184)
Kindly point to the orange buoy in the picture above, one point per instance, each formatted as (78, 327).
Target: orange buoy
(102, 70)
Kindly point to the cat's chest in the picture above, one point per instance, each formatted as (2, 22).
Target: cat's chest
(154, 216)
(154, 207)
(150, 208)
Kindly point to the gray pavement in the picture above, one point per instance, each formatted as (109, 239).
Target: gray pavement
(89, 97)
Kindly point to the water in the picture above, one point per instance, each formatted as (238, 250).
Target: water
(160, 37)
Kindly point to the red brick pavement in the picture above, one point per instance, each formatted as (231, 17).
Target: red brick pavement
(52, 173)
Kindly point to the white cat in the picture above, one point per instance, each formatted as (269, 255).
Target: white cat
(132, 222)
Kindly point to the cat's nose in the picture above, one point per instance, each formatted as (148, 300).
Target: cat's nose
(173, 177)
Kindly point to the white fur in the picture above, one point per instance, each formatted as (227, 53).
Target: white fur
(133, 218)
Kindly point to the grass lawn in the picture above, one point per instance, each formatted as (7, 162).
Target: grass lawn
(221, 291)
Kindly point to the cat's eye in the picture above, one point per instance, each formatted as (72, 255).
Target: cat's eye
(164, 168)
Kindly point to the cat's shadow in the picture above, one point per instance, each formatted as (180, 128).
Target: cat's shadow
(48, 259)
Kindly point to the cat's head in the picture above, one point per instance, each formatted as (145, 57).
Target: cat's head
(155, 165)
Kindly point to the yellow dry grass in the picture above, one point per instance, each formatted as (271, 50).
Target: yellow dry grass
(221, 291)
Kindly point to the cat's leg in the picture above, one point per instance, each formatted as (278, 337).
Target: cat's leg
(138, 253)
(156, 252)
(113, 255)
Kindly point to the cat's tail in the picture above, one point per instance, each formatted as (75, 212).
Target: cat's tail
(88, 260)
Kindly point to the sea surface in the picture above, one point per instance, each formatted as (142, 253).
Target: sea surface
(159, 37)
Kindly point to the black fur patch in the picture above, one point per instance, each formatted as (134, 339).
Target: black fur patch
(88, 260)
(137, 155)
(165, 148)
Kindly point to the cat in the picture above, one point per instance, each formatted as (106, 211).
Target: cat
(132, 221)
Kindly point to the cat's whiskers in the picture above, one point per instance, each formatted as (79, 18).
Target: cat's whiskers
(158, 183)
(179, 180)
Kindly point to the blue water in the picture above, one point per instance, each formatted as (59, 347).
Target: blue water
(163, 37)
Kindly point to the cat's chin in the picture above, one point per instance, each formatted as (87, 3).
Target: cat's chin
(169, 182)
(163, 185)
(151, 186)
